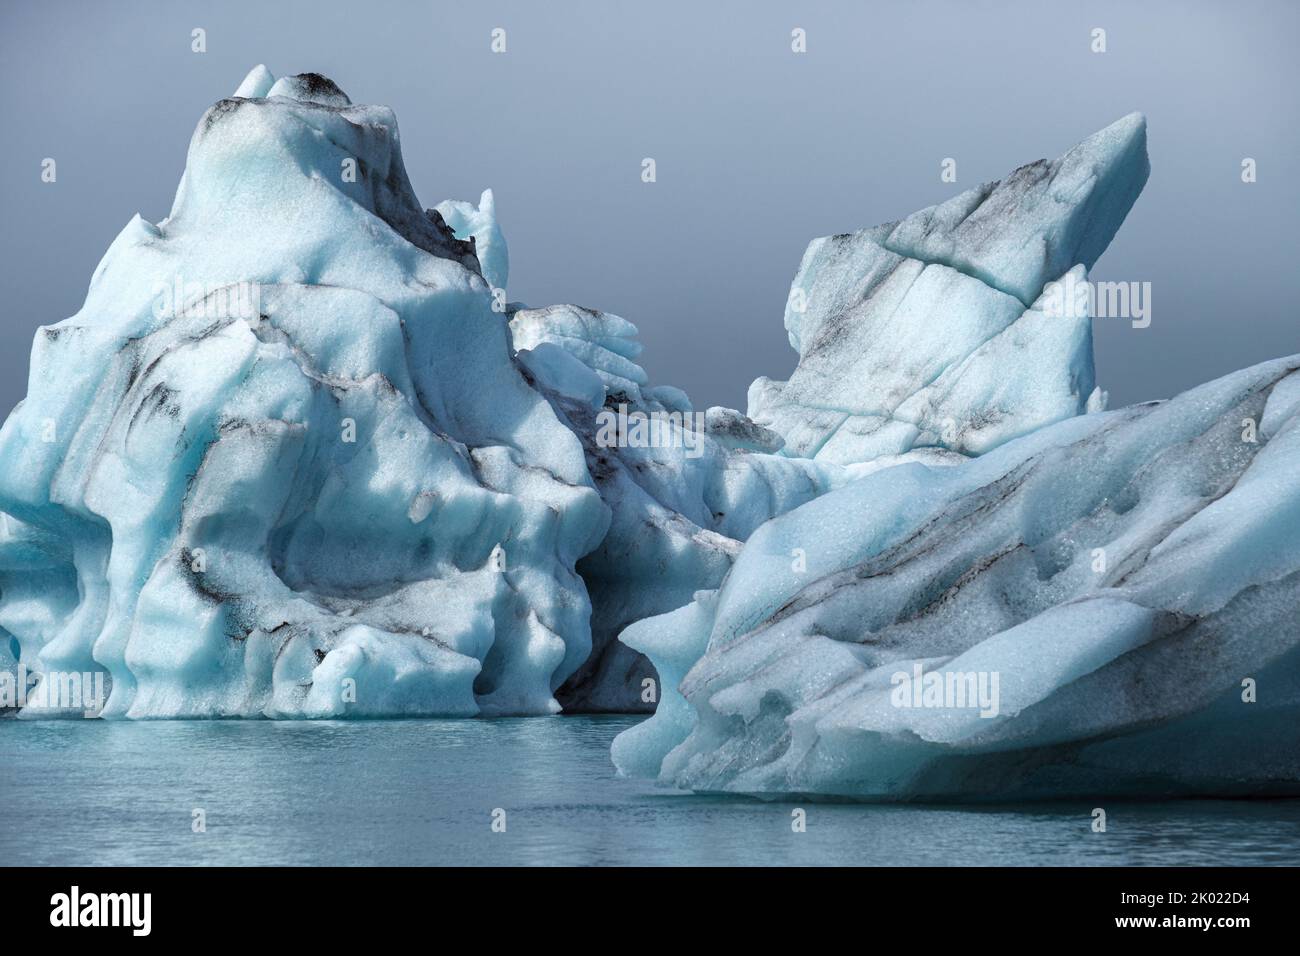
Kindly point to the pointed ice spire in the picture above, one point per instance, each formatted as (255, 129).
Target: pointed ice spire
(480, 223)
(1041, 220)
(924, 333)
(257, 84)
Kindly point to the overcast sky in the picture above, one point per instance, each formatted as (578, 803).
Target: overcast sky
(758, 149)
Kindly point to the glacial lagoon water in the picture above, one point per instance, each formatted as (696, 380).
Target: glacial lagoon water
(424, 792)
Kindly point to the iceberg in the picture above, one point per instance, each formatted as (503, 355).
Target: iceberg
(283, 462)
(298, 457)
(1022, 595)
(1111, 598)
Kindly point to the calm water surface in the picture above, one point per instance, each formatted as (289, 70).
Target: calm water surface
(423, 792)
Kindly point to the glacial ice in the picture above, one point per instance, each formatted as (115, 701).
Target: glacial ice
(296, 456)
(1124, 575)
(293, 457)
(1021, 595)
(902, 358)
(282, 462)
(479, 224)
(905, 330)
(680, 507)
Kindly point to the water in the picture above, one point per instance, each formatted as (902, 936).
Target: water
(423, 792)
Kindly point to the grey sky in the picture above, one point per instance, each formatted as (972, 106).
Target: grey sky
(758, 149)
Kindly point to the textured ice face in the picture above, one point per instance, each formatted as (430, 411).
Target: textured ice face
(282, 462)
(681, 506)
(930, 332)
(603, 342)
(1106, 591)
(1038, 222)
(479, 223)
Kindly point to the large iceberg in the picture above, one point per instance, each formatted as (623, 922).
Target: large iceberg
(283, 461)
(1104, 606)
(299, 456)
(1085, 603)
